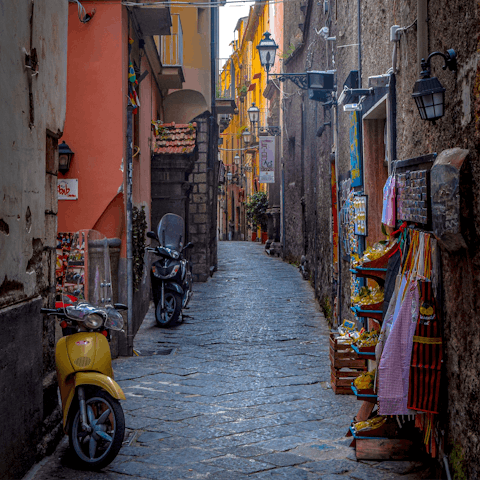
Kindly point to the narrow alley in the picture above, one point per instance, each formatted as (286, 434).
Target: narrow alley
(239, 390)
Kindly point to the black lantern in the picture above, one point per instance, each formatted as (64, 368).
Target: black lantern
(64, 157)
(253, 114)
(247, 136)
(267, 49)
(428, 92)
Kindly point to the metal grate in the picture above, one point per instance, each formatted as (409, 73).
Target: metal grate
(82, 362)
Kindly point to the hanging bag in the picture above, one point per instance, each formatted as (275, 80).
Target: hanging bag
(388, 212)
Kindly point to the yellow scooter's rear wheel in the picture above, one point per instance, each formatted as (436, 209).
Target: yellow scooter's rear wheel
(96, 448)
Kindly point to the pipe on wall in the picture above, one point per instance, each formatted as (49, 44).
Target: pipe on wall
(129, 232)
(422, 30)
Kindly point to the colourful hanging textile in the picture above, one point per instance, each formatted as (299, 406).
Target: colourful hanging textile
(394, 367)
(132, 77)
(425, 371)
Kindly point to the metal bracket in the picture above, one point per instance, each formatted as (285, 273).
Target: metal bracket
(273, 131)
(299, 79)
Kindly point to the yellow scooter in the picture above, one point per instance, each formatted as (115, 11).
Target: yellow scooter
(92, 415)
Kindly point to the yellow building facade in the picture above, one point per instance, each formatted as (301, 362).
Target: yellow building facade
(244, 72)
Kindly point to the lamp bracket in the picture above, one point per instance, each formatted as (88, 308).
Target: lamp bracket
(273, 131)
(450, 59)
(299, 79)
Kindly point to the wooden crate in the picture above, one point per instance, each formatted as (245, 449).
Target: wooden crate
(345, 366)
(384, 448)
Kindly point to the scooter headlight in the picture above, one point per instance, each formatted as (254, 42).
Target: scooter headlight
(93, 321)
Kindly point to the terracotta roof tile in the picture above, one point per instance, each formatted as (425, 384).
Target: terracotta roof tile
(176, 138)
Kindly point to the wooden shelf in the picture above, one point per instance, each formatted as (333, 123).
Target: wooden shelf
(375, 314)
(365, 355)
(362, 396)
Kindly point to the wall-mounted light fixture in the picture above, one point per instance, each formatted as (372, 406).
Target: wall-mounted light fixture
(64, 157)
(253, 114)
(267, 49)
(428, 92)
(247, 136)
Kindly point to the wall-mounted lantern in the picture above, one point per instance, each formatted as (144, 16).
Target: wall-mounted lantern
(428, 92)
(247, 136)
(253, 114)
(64, 157)
(236, 159)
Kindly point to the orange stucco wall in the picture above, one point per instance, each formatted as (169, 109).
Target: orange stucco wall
(95, 119)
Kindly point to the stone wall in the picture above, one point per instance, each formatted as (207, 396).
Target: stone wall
(306, 156)
(451, 24)
(203, 201)
(33, 107)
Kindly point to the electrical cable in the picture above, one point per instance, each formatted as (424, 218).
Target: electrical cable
(231, 3)
(83, 16)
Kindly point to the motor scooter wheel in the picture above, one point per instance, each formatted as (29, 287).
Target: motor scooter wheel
(170, 314)
(96, 449)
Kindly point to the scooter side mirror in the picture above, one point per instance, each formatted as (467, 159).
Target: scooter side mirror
(152, 235)
(188, 245)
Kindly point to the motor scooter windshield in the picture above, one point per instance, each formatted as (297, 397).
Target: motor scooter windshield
(171, 231)
(87, 281)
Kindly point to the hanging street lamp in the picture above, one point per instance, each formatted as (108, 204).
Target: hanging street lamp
(428, 92)
(267, 49)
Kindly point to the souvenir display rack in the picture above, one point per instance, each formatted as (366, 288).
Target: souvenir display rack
(346, 365)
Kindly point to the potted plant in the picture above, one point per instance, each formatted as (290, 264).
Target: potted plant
(243, 92)
(257, 212)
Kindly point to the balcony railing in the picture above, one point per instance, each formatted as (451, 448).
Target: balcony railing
(171, 46)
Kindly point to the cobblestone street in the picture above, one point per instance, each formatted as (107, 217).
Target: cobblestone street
(244, 391)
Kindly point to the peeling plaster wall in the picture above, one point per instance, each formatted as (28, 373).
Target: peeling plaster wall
(33, 115)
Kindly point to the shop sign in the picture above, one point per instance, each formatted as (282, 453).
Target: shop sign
(355, 160)
(67, 189)
(267, 159)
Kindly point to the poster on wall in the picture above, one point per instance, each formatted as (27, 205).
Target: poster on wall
(67, 189)
(267, 159)
(355, 160)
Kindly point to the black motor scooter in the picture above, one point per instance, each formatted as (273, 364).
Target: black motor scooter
(171, 275)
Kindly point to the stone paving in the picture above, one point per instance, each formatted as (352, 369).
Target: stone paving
(244, 392)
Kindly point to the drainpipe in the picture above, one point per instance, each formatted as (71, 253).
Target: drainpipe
(359, 30)
(422, 30)
(339, 243)
(213, 75)
(129, 234)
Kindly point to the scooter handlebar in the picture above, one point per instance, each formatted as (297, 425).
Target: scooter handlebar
(53, 311)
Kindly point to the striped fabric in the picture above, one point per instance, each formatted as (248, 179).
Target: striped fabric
(394, 367)
(425, 370)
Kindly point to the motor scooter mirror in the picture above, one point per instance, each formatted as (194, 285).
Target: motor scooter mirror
(152, 235)
(188, 245)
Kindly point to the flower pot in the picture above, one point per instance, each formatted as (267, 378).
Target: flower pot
(264, 237)
(254, 236)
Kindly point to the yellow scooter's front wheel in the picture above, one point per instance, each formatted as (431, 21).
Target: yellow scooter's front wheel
(96, 447)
